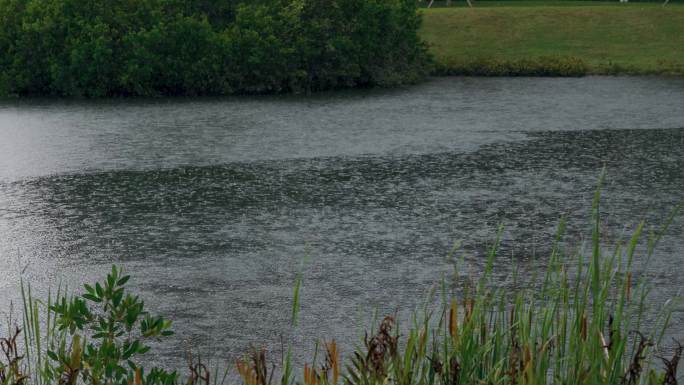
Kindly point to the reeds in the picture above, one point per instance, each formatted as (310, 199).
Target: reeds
(582, 322)
(11, 372)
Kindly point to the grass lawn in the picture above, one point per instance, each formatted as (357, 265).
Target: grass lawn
(643, 38)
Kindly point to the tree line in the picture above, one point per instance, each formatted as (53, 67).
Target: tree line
(97, 48)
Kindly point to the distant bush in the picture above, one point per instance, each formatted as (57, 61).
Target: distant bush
(94, 48)
(540, 66)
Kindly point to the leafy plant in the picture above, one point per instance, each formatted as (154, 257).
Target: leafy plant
(107, 331)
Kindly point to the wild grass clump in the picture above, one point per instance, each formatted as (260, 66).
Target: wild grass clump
(584, 321)
(563, 66)
(587, 320)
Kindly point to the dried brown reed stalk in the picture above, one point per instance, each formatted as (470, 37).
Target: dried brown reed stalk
(514, 359)
(332, 364)
(453, 321)
(245, 370)
(611, 334)
(311, 377)
(253, 369)
(468, 306)
(451, 377)
(381, 346)
(437, 366)
(454, 370)
(527, 364)
(672, 364)
(635, 367)
(11, 371)
(137, 380)
(199, 374)
(332, 361)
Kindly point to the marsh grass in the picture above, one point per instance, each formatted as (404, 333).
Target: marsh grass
(587, 319)
(582, 322)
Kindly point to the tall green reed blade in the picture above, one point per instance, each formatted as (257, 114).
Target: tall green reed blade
(27, 314)
(596, 246)
(287, 374)
(295, 300)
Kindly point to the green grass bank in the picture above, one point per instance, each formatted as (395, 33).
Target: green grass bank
(569, 38)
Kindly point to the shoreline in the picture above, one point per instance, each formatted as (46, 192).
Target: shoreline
(518, 68)
(258, 96)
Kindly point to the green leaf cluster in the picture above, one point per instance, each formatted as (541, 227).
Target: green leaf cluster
(104, 331)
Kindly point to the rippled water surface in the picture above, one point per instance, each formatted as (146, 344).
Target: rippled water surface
(214, 204)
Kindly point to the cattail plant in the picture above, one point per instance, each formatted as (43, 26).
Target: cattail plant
(582, 324)
(586, 320)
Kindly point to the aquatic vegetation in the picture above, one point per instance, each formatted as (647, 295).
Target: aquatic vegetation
(586, 320)
(582, 322)
(93, 338)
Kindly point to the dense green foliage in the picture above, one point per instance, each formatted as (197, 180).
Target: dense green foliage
(97, 48)
(96, 338)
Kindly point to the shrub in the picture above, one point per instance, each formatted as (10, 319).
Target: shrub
(93, 338)
(565, 66)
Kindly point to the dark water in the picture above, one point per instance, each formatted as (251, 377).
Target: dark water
(213, 205)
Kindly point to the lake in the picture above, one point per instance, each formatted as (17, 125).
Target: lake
(213, 205)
